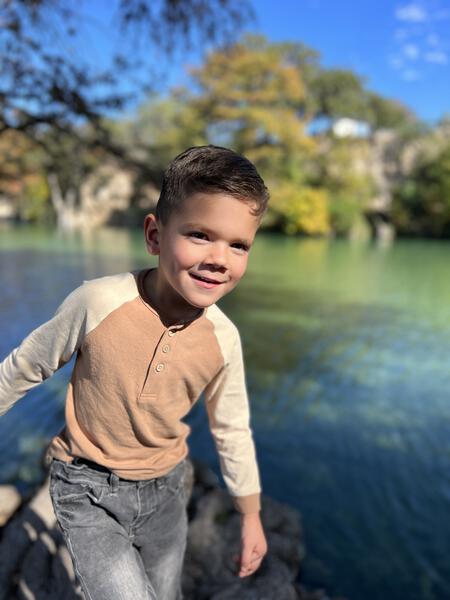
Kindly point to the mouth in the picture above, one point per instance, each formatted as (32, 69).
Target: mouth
(206, 281)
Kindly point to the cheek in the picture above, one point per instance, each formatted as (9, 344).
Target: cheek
(240, 266)
(184, 254)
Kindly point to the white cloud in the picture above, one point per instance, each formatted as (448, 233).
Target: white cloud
(410, 75)
(396, 62)
(412, 13)
(419, 41)
(411, 51)
(437, 56)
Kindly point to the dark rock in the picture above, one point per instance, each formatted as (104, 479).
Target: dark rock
(35, 563)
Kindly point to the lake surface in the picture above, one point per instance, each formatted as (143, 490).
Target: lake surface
(347, 349)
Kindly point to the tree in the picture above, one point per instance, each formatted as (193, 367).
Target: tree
(422, 202)
(300, 209)
(21, 178)
(41, 84)
(48, 93)
(339, 93)
(249, 95)
(349, 189)
(389, 113)
(162, 127)
(253, 97)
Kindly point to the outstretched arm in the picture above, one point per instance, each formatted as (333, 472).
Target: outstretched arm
(43, 351)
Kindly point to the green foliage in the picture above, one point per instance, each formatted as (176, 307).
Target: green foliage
(250, 95)
(59, 97)
(34, 204)
(389, 113)
(162, 128)
(258, 98)
(339, 93)
(421, 203)
(296, 209)
(348, 188)
(335, 93)
(253, 97)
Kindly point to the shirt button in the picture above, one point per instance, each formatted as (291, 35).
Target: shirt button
(166, 348)
(159, 367)
(171, 332)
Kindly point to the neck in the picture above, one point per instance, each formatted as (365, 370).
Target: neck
(170, 310)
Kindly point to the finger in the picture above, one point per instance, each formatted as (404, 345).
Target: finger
(249, 569)
(252, 565)
(246, 573)
(255, 559)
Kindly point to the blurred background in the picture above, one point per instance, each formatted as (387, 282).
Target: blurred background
(345, 309)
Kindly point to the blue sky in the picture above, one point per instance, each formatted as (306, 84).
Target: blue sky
(401, 48)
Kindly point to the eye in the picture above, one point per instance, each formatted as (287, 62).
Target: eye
(241, 247)
(198, 235)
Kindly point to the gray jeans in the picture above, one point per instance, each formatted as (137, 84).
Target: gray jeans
(127, 539)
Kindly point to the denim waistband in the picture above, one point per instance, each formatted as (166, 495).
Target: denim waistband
(103, 475)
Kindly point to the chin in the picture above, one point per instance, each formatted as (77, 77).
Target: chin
(203, 304)
(204, 301)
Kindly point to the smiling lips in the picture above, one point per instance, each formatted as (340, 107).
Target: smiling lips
(205, 282)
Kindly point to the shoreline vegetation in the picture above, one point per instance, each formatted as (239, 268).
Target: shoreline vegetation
(339, 159)
(34, 561)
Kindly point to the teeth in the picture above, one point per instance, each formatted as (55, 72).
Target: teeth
(205, 279)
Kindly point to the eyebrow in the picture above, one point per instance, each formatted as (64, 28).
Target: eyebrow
(205, 229)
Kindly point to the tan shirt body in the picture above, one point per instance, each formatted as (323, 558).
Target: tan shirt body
(135, 379)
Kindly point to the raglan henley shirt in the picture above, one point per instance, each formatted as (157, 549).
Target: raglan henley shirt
(133, 381)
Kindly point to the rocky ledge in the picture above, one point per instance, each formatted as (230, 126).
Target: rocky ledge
(35, 564)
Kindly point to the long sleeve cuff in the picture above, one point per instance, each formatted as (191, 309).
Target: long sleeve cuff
(247, 504)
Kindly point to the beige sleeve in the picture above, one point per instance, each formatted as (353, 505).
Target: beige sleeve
(43, 351)
(51, 346)
(229, 419)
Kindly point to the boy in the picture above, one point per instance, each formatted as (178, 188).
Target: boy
(148, 344)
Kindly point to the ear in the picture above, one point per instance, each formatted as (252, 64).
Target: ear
(151, 232)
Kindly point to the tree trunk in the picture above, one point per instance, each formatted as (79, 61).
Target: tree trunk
(68, 214)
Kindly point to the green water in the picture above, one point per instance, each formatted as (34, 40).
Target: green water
(347, 351)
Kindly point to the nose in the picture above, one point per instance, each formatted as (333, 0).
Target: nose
(217, 255)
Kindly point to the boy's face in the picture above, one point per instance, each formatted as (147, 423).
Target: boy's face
(203, 249)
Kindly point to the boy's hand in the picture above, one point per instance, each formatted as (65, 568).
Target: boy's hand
(253, 544)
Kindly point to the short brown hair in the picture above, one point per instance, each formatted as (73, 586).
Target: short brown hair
(210, 169)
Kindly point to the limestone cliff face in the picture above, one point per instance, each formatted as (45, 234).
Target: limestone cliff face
(108, 191)
(392, 159)
(384, 168)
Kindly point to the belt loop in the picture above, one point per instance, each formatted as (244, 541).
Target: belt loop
(113, 483)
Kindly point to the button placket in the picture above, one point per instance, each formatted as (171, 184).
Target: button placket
(160, 361)
(153, 370)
